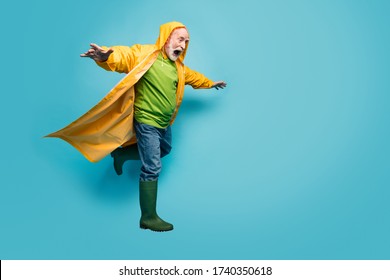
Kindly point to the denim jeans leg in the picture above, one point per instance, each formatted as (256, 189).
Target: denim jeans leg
(166, 141)
(153, 143)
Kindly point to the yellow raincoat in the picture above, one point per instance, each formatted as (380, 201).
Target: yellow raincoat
(109, 124)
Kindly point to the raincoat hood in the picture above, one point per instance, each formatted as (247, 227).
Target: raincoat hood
(166, 30)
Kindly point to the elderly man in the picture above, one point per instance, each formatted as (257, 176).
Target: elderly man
(134, 120)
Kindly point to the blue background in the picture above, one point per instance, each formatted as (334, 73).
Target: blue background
(290, 161)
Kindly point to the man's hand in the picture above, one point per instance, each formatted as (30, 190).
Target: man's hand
(219, 84)
(97, 53)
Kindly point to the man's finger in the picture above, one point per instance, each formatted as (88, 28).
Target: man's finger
(86, 55)
(109, 51)
(95, 47)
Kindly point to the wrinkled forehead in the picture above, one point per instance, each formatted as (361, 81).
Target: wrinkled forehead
(180, 33)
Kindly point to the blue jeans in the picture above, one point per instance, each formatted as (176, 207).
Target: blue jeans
(153, 144)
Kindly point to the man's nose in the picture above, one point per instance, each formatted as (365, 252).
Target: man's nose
(183, 45)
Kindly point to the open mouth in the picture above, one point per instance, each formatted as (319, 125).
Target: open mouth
(176, 52)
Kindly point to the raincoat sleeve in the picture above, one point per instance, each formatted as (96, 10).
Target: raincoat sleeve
(196, 79)
(122, 60)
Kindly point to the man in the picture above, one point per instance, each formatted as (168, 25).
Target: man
(139, 109)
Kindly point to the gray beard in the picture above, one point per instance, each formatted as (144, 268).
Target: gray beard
(170, 53)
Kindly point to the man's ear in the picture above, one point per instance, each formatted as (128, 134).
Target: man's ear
(166, 44)
(168, 40)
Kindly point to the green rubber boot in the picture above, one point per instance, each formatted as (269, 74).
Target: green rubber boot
(121, 155)
(148, 198)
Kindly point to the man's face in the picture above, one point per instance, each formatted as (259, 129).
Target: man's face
(176, 43)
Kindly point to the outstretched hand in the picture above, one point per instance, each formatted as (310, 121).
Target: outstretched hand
(97, 53)
(219, 85)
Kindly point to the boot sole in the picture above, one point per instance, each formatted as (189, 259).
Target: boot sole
(156, 230)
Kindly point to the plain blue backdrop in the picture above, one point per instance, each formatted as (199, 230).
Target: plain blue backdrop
(290, 161)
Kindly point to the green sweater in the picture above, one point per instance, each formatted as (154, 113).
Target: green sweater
(155, 94)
